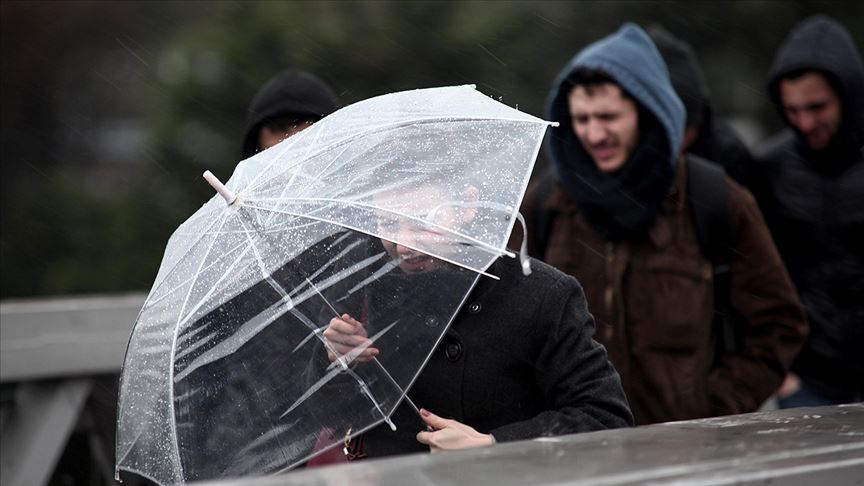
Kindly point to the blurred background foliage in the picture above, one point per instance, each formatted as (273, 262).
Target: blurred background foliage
(112, 110)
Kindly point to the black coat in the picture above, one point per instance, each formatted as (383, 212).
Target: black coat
(817, 221)
(519, 362)
(718, 143)
(813, 202)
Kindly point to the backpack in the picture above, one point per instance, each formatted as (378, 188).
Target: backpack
(709, 199)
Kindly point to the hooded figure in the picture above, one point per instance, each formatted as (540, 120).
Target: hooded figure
(291, 98)
(810, 184)
(626, 231)
(821, 44)
(705, 135)
(622, 205)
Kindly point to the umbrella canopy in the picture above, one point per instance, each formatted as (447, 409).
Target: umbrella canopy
(387, 210)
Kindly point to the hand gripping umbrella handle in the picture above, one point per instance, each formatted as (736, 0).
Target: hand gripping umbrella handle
(223, 191)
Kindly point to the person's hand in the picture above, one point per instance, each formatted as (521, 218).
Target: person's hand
(449, 434)
(347, 337)
(791, 384)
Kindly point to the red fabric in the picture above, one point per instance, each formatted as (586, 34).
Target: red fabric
(331, 456)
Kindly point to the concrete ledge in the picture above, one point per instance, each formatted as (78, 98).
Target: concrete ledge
(806, 446)
(50, 338)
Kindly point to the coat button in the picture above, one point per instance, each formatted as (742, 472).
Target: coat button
(475, 308)
(432, 321)
(453, 351)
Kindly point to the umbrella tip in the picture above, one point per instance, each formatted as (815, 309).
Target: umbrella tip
(223, 191)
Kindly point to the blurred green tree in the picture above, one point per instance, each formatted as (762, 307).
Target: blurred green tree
(77, 217)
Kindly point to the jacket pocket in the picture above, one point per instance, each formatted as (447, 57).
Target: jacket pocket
(670, 304)
(669, 328)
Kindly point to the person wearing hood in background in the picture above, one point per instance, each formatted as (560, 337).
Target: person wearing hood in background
(704, 135)
(810, 184)
(289, 102)
(619, 219)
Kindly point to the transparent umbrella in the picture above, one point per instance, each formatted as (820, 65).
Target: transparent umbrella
(387, 211)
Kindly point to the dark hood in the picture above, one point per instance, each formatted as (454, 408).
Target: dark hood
(289, 93)
(820, 43)
(686, 75)
(716, 140)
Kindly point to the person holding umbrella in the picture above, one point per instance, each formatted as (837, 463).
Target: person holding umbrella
(227, 371)
(518, 362)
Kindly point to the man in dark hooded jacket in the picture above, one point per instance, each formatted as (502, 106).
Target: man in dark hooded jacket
(289, 102)
(704, 135)
(621, 222)
(810, 185)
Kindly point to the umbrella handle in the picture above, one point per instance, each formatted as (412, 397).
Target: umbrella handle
(523, 249)
(223, 191)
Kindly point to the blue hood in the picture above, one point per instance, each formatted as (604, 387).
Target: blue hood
(629, 57)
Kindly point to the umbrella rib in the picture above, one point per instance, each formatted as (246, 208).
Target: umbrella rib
(277, 310)
(215, 285)
(317, 177)
(352, 355)
(375, 276)
(479, 243)
(284, 294)
(285, 297)
(372, 131)
(293, 141)
(333, 369)
(359, 349)
(261, 267)
(364, 387)
(359, 230)
(243, 334)
(175, 451)
(177, 262)
(184, 282)
(250, 245)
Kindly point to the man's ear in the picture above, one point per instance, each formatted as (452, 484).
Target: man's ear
(690, 134)
(470, 195)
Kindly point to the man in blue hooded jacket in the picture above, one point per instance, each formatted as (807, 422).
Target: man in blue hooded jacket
(619, 218)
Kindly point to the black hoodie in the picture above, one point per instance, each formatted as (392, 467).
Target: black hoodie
(291, 93)
(813, 202)
(717, 141)
(821, 44)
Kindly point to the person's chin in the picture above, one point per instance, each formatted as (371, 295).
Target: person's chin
(608, 165)
(817, 142)
(416, 264)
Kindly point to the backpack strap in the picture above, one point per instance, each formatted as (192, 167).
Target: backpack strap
(541, 217)
(709, 200)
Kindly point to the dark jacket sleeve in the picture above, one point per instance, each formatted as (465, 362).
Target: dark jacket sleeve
(762, 293)
(572, 372)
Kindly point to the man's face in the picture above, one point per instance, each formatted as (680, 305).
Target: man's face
(268, 137)
(606, 122)
(812, 107)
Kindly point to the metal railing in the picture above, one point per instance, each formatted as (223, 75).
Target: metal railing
(54, 352)
(51, 353)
